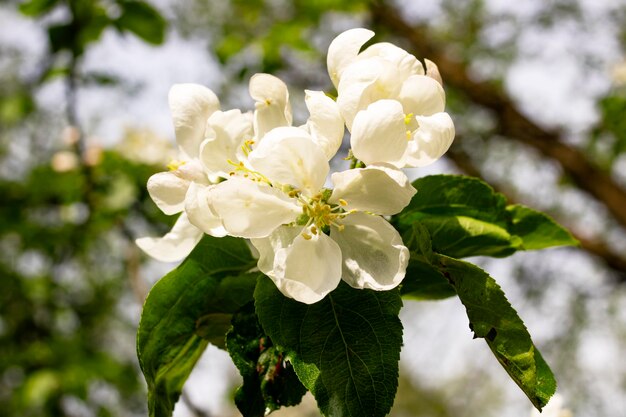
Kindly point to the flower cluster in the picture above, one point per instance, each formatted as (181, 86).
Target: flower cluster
(256, 176)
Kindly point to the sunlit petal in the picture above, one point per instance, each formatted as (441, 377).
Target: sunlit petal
(431, 140)
(325, 124)
(344, 49)
(288, 156)
(303, 269)
(191, 105)
(379, 134)
(378, 189)
(272, 103)
(251, 209)
(373, 253)
(200, 213)
(175, 245)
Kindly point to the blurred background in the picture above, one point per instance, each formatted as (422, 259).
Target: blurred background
(537, 90)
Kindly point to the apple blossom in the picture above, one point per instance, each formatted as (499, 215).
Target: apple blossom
(412, 107)
(309, 237)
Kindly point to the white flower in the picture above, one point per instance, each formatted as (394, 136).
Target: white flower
(193, 107)
(308, 237)
(385, 72)
(272, 109)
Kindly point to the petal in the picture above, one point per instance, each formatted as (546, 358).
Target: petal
(359, 87)
(379, 134)
(432, 71)
(191, 105)
(168, 191)
(228, 131)
(305, 270)
(422, 95)
(288, 156)
(250, 209)
(405, 64)
(430, 141)
(378, 189)
(200, 213)
(175, 245)
(344, 49)
(272, 103)
(373, 253)
(325, 123)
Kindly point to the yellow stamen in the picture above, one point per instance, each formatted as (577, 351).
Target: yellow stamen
(175, 164)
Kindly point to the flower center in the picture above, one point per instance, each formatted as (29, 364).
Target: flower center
(318, 215)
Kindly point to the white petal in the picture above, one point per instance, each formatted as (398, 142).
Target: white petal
(250, 209)
(191, 105)
(378, 189)
(361, 85)
(200, 213)
(168, 191)
(325, 123)
(305, 270)
(430, 141)
(272, 103)
(228, 131)
(175, 245)
(379, 134)
(288, 156)
(422, 95)
(344, 49)
(373, 253)
(405, 64)
(432, 71)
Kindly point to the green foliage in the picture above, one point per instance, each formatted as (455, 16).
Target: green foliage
(89, 19)
(187, 309)
(492, 318)
(269, 381)
(612, 130)
(490, 315)
(466, 217)
(345, 348)
(143, 20)
(58, 319)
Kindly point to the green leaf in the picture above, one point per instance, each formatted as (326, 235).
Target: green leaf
(345, 348)
(143, 20)
(423, 281)
(187, 309)
(537, 230)
(37, 7)
(493, 318)
(466, 217)
(269, 381)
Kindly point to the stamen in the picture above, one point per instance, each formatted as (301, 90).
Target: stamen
(343, 202)
(306, 236)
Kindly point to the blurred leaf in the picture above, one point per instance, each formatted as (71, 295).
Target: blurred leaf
(176, 324)
(37, 7)
(15, 107)
(143, 20)
(345, 348)
(269, 382)
(493, 318)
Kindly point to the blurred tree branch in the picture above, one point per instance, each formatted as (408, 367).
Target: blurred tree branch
(511, 123)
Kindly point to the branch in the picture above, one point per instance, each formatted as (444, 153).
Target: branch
(511, 122)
